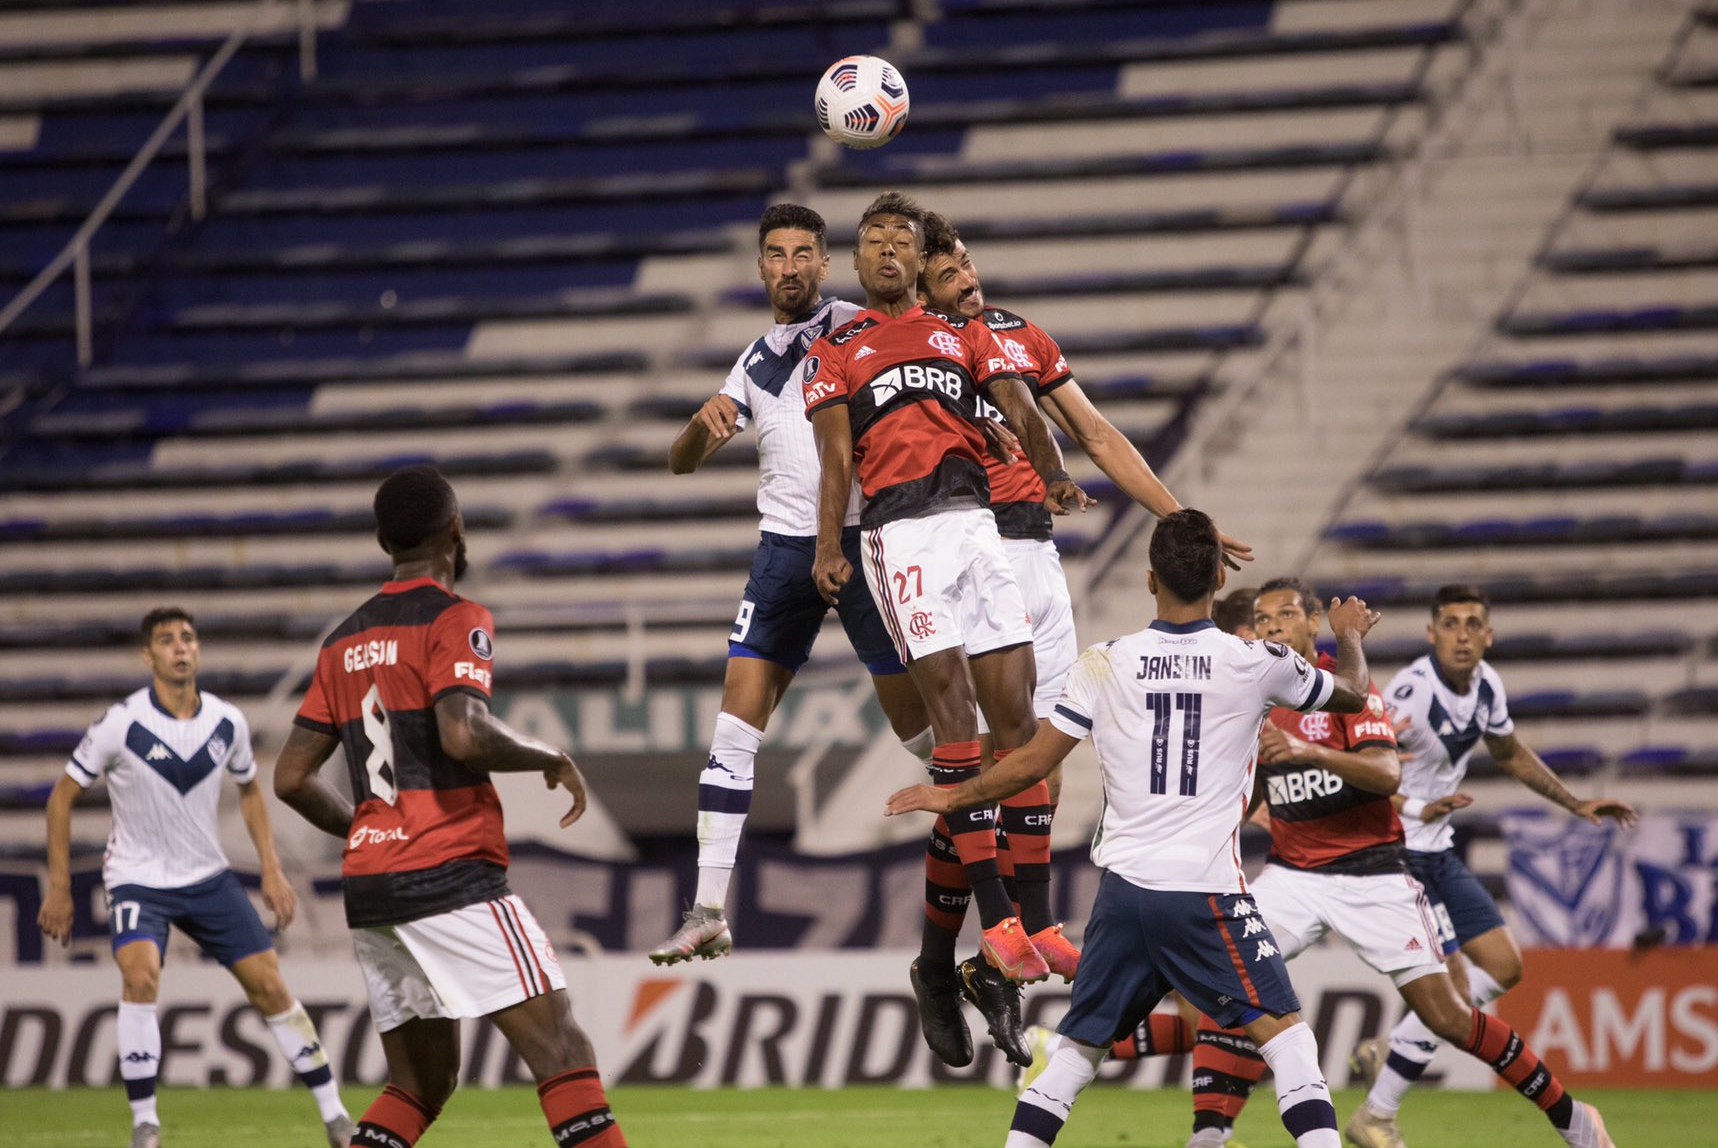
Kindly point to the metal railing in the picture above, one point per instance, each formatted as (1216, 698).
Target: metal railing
(189, 110)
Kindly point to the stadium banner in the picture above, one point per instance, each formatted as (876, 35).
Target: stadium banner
(796, 1019)
(1609, 1018)
(1575, 885)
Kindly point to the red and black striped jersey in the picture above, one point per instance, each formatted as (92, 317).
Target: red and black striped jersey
(1016, 491)
(426, 833)
(1319, 821)
(911, 387)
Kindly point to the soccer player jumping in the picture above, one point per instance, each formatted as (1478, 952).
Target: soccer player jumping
(894, 394)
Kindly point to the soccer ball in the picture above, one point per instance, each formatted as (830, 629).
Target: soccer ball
(862, 102)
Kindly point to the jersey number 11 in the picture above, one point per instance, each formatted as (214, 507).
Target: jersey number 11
(1163, 704)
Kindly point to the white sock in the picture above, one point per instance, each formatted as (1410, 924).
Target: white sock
(1303, 1098)
(724, 799)
(1412, 1047)
(1482, 988)
(921, 744)
(1042, 1109)
(139, 1035)
(302, 1048)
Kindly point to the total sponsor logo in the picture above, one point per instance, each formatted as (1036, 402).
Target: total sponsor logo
(366, 835)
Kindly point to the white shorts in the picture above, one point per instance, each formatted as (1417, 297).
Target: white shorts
(467, 962)
(1044, 589)
(1384, 917)
(942, 582)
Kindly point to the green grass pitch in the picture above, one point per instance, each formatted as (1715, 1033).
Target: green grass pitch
(852, 1118)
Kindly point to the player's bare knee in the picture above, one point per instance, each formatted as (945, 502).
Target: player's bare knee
(140, 986)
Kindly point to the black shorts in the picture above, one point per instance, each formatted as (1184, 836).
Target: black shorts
(782, 611)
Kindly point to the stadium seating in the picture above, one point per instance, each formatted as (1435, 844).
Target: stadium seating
(1567, 466)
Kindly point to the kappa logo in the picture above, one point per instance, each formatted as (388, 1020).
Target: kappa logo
(481, 644)
(1266, 949)
(158, 752)
(945, 342)
(1255, 926)
(757, 357)
(863, 351)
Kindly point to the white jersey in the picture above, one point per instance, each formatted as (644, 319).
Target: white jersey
(1175, 711)
(770, 391)
(164, 782)
(1443, 731)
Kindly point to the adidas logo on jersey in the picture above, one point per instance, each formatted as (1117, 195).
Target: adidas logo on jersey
(158, 753)
(863, 351)
(1413, 946)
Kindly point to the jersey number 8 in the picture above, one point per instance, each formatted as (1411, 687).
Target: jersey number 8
(380, 764)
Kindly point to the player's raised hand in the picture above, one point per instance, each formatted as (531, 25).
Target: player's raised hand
(1351, 615)
(567, 776)
(1619, 811)
(1235, 551)
(277, 894)
(831, 572)
(55, 917)
(720, 416)
(1004, 447)
(1444, 806)
(917, 797)
(1063, 497)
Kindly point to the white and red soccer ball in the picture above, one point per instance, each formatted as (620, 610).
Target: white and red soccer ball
(862, 101)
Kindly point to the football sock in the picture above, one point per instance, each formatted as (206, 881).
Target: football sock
(946, 898)
(921, 744)
(298, 1042)
(578, 1111)
(973, 831)
(1500, 1046)
(1303, 1099)
(139, 1036)
(1026, 820)
(1226, 1065)
(1412, 1047)
(724, 799)
(394, 1119)
(1044, 1107)
(1159, 1034)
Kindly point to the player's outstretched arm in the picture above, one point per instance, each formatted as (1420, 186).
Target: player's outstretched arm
(277, 891)
(1071, 409)
(1350, 620)
(1516, 758)
(474, 736)
(1011, 397)
(296, 781)
(55, 917)
(717, 421)
(833, 431)
(1026, 766)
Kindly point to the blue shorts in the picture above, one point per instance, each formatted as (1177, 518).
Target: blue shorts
(782, 611)
(214, 913)
(1212, 948)
(1460, 904)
